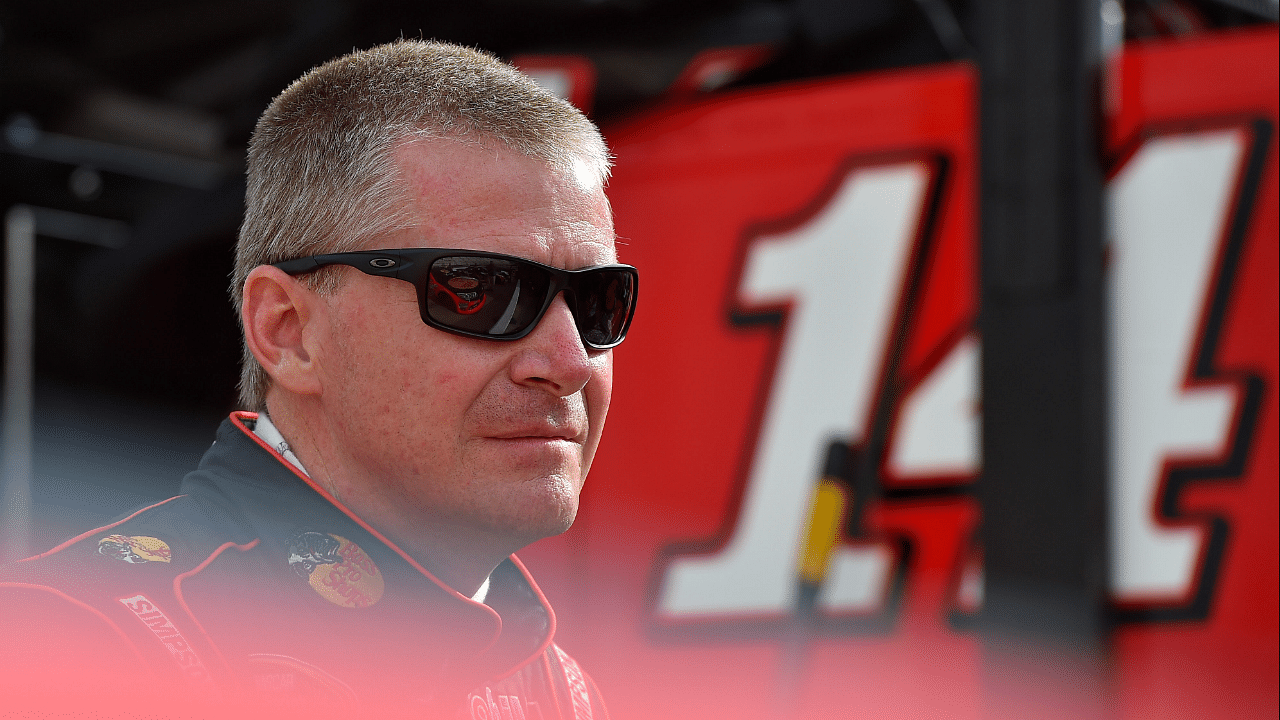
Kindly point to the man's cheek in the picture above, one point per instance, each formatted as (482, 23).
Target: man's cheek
(442, 379)
(598, 397)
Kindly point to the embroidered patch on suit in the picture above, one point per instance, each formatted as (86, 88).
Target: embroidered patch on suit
(577, 681)
(336, 568)
(501, 707)
(166, 632)
(300, 688)
(134, 548)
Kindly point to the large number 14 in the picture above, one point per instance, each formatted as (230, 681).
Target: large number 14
(841, 274)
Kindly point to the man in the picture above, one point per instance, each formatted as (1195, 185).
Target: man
(427, 283)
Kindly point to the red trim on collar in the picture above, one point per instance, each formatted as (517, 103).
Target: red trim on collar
(551, 620)
(84, 606)
(97, 530)
(182, 601)
(238, 418)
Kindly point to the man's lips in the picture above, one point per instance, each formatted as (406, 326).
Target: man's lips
(539, 433)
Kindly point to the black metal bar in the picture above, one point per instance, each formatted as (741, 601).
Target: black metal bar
(1043, 486)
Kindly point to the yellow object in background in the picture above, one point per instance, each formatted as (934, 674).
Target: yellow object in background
(829, 501)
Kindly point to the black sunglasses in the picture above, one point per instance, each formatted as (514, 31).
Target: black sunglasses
(497, 297)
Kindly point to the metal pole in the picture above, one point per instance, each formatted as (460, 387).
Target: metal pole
(15, 465)
(1043, 487)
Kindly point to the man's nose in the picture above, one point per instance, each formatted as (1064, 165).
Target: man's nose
(552, 357)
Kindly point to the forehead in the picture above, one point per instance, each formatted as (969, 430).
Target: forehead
(483, 196)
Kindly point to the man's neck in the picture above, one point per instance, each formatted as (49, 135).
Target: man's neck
(460, 556)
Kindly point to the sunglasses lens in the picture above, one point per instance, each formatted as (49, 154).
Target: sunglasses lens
(485, 296)
(604, 299)
(500, 297)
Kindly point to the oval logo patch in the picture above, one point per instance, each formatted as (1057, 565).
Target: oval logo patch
(336, 568)
(134, 548)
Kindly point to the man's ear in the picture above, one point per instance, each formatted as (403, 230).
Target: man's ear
(276, 313)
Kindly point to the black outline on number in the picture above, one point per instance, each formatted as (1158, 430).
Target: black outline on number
(1178, 475)
(867, 484)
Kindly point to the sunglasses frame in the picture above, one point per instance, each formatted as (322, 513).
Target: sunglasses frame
(413, 265)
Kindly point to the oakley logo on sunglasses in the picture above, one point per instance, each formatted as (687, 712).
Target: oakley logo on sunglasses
(494, 296)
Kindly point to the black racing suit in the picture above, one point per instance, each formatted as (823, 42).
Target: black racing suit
(253, 589)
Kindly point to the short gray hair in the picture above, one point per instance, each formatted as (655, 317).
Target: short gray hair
(320, 170)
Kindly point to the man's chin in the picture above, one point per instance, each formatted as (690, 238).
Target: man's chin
(504, 514)
(530, 527)
(534, 529)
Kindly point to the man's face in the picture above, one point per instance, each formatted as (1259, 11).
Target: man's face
(495, 437)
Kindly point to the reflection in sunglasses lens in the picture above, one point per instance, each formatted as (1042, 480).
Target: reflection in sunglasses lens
(487, 296)
(498, 297)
